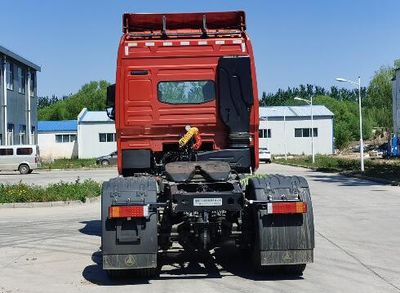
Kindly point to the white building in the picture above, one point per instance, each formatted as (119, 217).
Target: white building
(281, 127)
(287, 127)
(96, 134)
(57, 139)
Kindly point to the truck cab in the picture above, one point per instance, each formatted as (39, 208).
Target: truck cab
(185, 70)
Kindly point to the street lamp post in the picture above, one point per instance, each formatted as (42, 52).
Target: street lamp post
(358, 85)
(284, 131)
(310, 102)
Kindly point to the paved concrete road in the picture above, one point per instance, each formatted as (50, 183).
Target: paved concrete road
(44, 177)
(357, 238)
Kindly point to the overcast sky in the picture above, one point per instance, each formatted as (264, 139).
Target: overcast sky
(295, 41)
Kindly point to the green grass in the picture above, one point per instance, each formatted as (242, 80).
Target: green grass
(389, 170)
(70, 164)
(245, 180)
(54, 192)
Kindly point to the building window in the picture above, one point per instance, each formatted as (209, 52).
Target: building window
(33, 130)
(10, 76)
(10, 133)
(64, 138)
(6, 152)
(32, 83)
(24, 151)
(106, 137)
(21, 80)
(264, 133)
(305, 132)
(22, 134)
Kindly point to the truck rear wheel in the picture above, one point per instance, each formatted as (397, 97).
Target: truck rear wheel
(129, 242)
(281, 243)
(295, 270)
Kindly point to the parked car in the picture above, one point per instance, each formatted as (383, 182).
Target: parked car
(110, 159)
(22, 158)
(265, 155)
(367, 147)
(376, 154)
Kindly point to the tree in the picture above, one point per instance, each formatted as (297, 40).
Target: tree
(397, 63)
(376, 100)
(92, 96)
(346, 123)
(285, 97)
(379, 98)
(46, 101)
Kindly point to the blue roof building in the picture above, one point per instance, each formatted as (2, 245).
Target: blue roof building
(57, 126)
(58, 139)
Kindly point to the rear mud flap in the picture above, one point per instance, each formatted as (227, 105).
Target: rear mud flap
(286, 257)
(129, 243)
(129, 261)
(282, 238)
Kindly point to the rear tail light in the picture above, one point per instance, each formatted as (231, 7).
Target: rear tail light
(287, 208)
(139, 211)
(36, 159)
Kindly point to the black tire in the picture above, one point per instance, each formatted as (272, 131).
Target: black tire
(269, 183)
(256, 258)
(138, 273)
(125, 186)
(24, 169)
(146, 273)
(105, 162)
(294, 270)
(117, 274)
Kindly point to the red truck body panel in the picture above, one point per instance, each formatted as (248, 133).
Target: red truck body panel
(142, 120)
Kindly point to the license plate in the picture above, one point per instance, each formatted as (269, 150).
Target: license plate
(207, 202)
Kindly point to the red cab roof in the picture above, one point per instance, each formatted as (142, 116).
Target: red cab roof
(141, 22)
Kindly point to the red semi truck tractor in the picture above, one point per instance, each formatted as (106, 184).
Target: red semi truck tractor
(186, 114)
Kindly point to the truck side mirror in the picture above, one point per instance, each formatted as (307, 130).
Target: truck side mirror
(110, 102)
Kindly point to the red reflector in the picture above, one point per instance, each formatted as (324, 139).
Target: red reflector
(128, 211)
(287, 208)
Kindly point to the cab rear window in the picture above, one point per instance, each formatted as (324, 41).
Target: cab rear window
(186, 92)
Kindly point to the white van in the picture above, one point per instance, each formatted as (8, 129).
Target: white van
(22, 158)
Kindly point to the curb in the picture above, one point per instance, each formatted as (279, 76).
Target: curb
(378, 180)
(48, 203)
(347, 174)
(77, 169)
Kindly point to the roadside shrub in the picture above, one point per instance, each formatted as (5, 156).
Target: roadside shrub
(61, 191)
(388, 169)
(70, 164)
